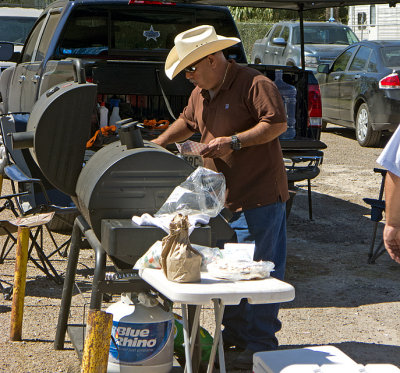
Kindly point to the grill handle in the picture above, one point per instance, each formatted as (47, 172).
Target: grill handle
(22, 140)
(130, 135)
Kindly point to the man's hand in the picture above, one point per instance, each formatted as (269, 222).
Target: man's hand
(218, 148)
(391, 238)
(159, 142)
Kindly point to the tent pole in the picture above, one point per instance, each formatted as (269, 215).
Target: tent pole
(303, 63)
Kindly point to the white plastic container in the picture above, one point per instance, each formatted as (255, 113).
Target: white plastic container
(288, 93)
(142, 338)
(309, 359)
(103, 115)
(114, 118)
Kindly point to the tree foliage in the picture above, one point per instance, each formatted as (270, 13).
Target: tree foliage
(267, 15)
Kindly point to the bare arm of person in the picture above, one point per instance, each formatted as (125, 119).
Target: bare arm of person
(391, 233)
(261, 133)
(178, 131)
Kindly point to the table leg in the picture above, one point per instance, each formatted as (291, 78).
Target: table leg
(218, 312)
(195, 350)
(188, 364)
(192, 337)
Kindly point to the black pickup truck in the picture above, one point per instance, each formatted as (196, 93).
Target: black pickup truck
(122, 48)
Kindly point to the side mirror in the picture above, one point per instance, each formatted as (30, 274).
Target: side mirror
(323, 68)
(279, 41)
(6, 51)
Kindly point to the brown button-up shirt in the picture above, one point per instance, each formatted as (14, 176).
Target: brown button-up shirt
(255, 175)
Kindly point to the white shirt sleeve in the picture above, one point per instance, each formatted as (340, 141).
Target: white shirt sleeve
(390, 156)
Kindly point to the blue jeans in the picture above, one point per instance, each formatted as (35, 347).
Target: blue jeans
(253, 326)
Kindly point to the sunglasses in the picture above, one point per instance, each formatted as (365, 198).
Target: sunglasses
(192, 68)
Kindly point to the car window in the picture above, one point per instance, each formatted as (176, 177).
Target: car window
(372, 64)
(30, 44)
(15, 29)
(360, 59)
(276, 32)
(341, 62)
(391, 56)
(320, 34)
(47, 36)
(285, 33)
(133, 28)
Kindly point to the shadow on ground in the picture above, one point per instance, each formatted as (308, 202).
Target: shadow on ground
(328, 256)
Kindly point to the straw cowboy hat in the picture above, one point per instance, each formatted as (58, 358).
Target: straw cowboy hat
(192, 45)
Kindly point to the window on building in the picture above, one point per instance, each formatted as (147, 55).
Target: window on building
(372, 15)
(361, 20)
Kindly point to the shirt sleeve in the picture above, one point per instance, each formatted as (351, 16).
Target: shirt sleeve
(390, 156)
(266, 102)
(188, 115)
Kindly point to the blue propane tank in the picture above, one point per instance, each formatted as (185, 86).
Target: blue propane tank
(288, 93)
(142, 338)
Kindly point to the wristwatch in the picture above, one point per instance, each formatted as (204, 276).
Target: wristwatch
(235, 143)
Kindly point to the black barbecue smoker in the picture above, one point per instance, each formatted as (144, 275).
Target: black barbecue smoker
(125, 178)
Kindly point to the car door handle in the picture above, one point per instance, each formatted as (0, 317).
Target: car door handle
(337, 77)
(35, 78)
(21, 78)
(357, 77)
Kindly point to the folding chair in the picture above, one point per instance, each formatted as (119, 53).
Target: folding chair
(33, 194)
(304, 167)
(377, 208)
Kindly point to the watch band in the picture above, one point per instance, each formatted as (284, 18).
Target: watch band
(235, 143)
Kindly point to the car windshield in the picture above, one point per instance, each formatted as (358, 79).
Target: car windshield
(320, 34)
(133, 30)
(391, 56)
(15, 29)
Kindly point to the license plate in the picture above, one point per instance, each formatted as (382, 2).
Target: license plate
(194, 160)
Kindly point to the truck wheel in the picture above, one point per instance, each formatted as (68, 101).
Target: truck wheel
(324, 124)
(365, 135)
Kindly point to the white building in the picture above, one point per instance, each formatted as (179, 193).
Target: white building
(375, 22)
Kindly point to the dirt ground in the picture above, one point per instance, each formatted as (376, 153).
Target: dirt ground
(341, 300)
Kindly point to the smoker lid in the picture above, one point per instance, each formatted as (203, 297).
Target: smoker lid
(60, 121)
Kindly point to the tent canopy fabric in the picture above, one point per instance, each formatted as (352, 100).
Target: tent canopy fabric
(289, 4)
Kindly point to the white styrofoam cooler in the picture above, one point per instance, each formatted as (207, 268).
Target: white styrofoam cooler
(316, 359)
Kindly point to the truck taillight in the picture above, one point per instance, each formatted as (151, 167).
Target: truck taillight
(391, 81)
(314, 106)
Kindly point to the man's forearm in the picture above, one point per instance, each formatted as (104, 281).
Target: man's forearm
(392, 198)
(261, 133)
(178, 131)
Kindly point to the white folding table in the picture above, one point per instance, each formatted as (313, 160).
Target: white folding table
(221, 293)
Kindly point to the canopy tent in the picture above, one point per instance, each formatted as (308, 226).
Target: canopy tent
(290, 4)
(300, 6)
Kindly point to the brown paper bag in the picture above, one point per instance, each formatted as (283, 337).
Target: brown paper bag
(179, 261)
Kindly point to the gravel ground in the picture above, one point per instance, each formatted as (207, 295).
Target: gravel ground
(340, 299)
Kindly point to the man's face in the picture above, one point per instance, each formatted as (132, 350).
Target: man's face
(200, 72)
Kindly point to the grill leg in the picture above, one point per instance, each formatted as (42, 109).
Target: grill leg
(68, 287)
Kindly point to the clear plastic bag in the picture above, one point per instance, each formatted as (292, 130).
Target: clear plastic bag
(203, 192)
(208, 255)
(240, 269)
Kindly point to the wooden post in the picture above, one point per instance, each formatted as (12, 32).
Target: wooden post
(21, 261)
(1, 183)
(97, 343)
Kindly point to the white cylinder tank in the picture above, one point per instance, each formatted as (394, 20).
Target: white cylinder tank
(142, 338)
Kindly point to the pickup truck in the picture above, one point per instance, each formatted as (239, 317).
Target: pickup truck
(323, 42)
(122, 47)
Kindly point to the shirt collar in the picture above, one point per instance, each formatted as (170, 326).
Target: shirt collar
(232, 71)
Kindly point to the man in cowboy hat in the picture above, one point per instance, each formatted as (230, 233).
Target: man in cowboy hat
(240, 115)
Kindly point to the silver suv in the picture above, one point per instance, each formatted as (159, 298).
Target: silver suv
(324, 41)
